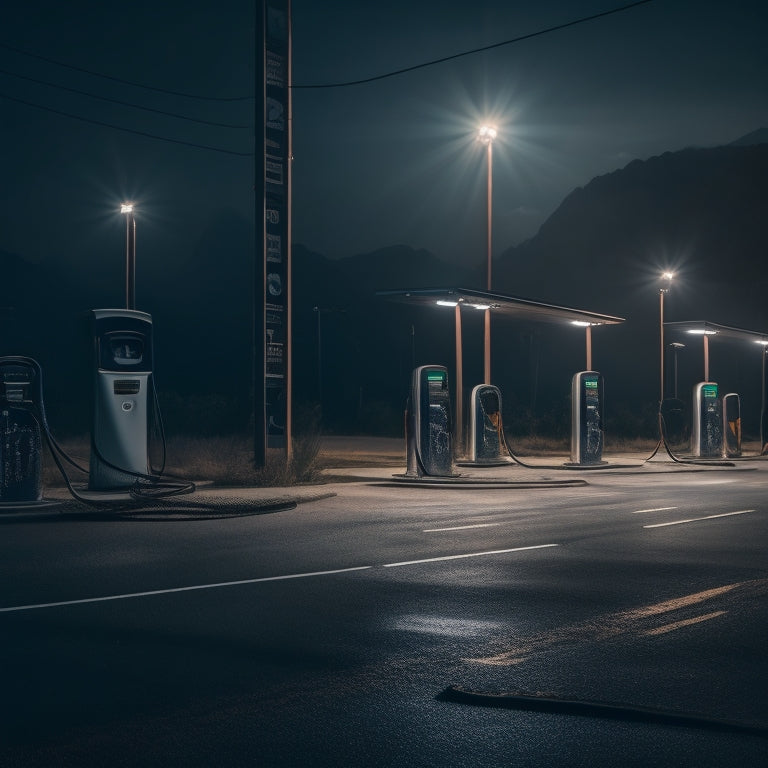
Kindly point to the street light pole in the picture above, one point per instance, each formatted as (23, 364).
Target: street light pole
(459, 382)
(763, 402)
(706, 357)
(130, 255)
(319, 311)
(588, 334)
(676, 347)
(486, 135)
(667, 277)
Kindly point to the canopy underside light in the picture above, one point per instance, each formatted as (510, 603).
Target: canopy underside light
(706, 328)
(499, 304)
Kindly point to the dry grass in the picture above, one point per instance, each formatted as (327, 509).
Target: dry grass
(223, 460)
(629, 444)
(533, 445)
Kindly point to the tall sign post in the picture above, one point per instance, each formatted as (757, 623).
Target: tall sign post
(764, 404)
(272, 299)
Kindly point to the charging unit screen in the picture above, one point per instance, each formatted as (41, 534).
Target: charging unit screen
(123, 352)
(587, 419)
(126, 350)
(433, 420)
(707, 434)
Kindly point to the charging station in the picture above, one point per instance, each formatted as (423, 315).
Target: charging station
(122, 370)
(731, 425)
(587, 399)
(707, 427)
(20, 435)
(486, 432)
(428, 424)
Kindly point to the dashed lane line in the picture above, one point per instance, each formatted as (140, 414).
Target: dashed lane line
(242, 582)
(470, 554)
(698, 519)
(460, 527)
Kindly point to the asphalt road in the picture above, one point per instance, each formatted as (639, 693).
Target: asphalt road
(327, 635)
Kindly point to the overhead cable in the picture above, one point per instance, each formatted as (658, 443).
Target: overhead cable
(432, 63)
(91, 72)
(342, 84)
(118, 101)
(122, 128)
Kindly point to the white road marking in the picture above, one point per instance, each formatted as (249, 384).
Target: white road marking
(217, 585)
(153, 592)
(469, 554)
(684, 623)
(654, 509)
(460, 527)
(697, 519)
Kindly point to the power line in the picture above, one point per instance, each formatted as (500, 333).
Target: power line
(125, 130)
(425, 64)
(118, 101)
(343, 84)
(375, 78)
(118, 79)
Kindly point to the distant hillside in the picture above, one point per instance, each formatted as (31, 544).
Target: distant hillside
(701, 211)
(760, 136)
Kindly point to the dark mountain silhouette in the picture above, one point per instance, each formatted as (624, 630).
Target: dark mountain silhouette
(760, 136)
(700, 211)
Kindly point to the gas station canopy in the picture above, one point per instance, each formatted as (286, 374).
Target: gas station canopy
(497, 303)
(705, 328)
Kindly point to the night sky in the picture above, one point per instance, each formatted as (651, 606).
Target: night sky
(393, 161)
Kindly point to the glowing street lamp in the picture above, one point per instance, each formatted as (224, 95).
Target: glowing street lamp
(130, 255)
(486, 135)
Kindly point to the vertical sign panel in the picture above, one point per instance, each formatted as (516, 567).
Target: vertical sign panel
(273, 235)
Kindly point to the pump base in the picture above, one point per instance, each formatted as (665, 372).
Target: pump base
(501, 461)
(28, 506)
(113, 494)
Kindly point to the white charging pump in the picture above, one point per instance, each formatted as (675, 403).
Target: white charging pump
(122, 343)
